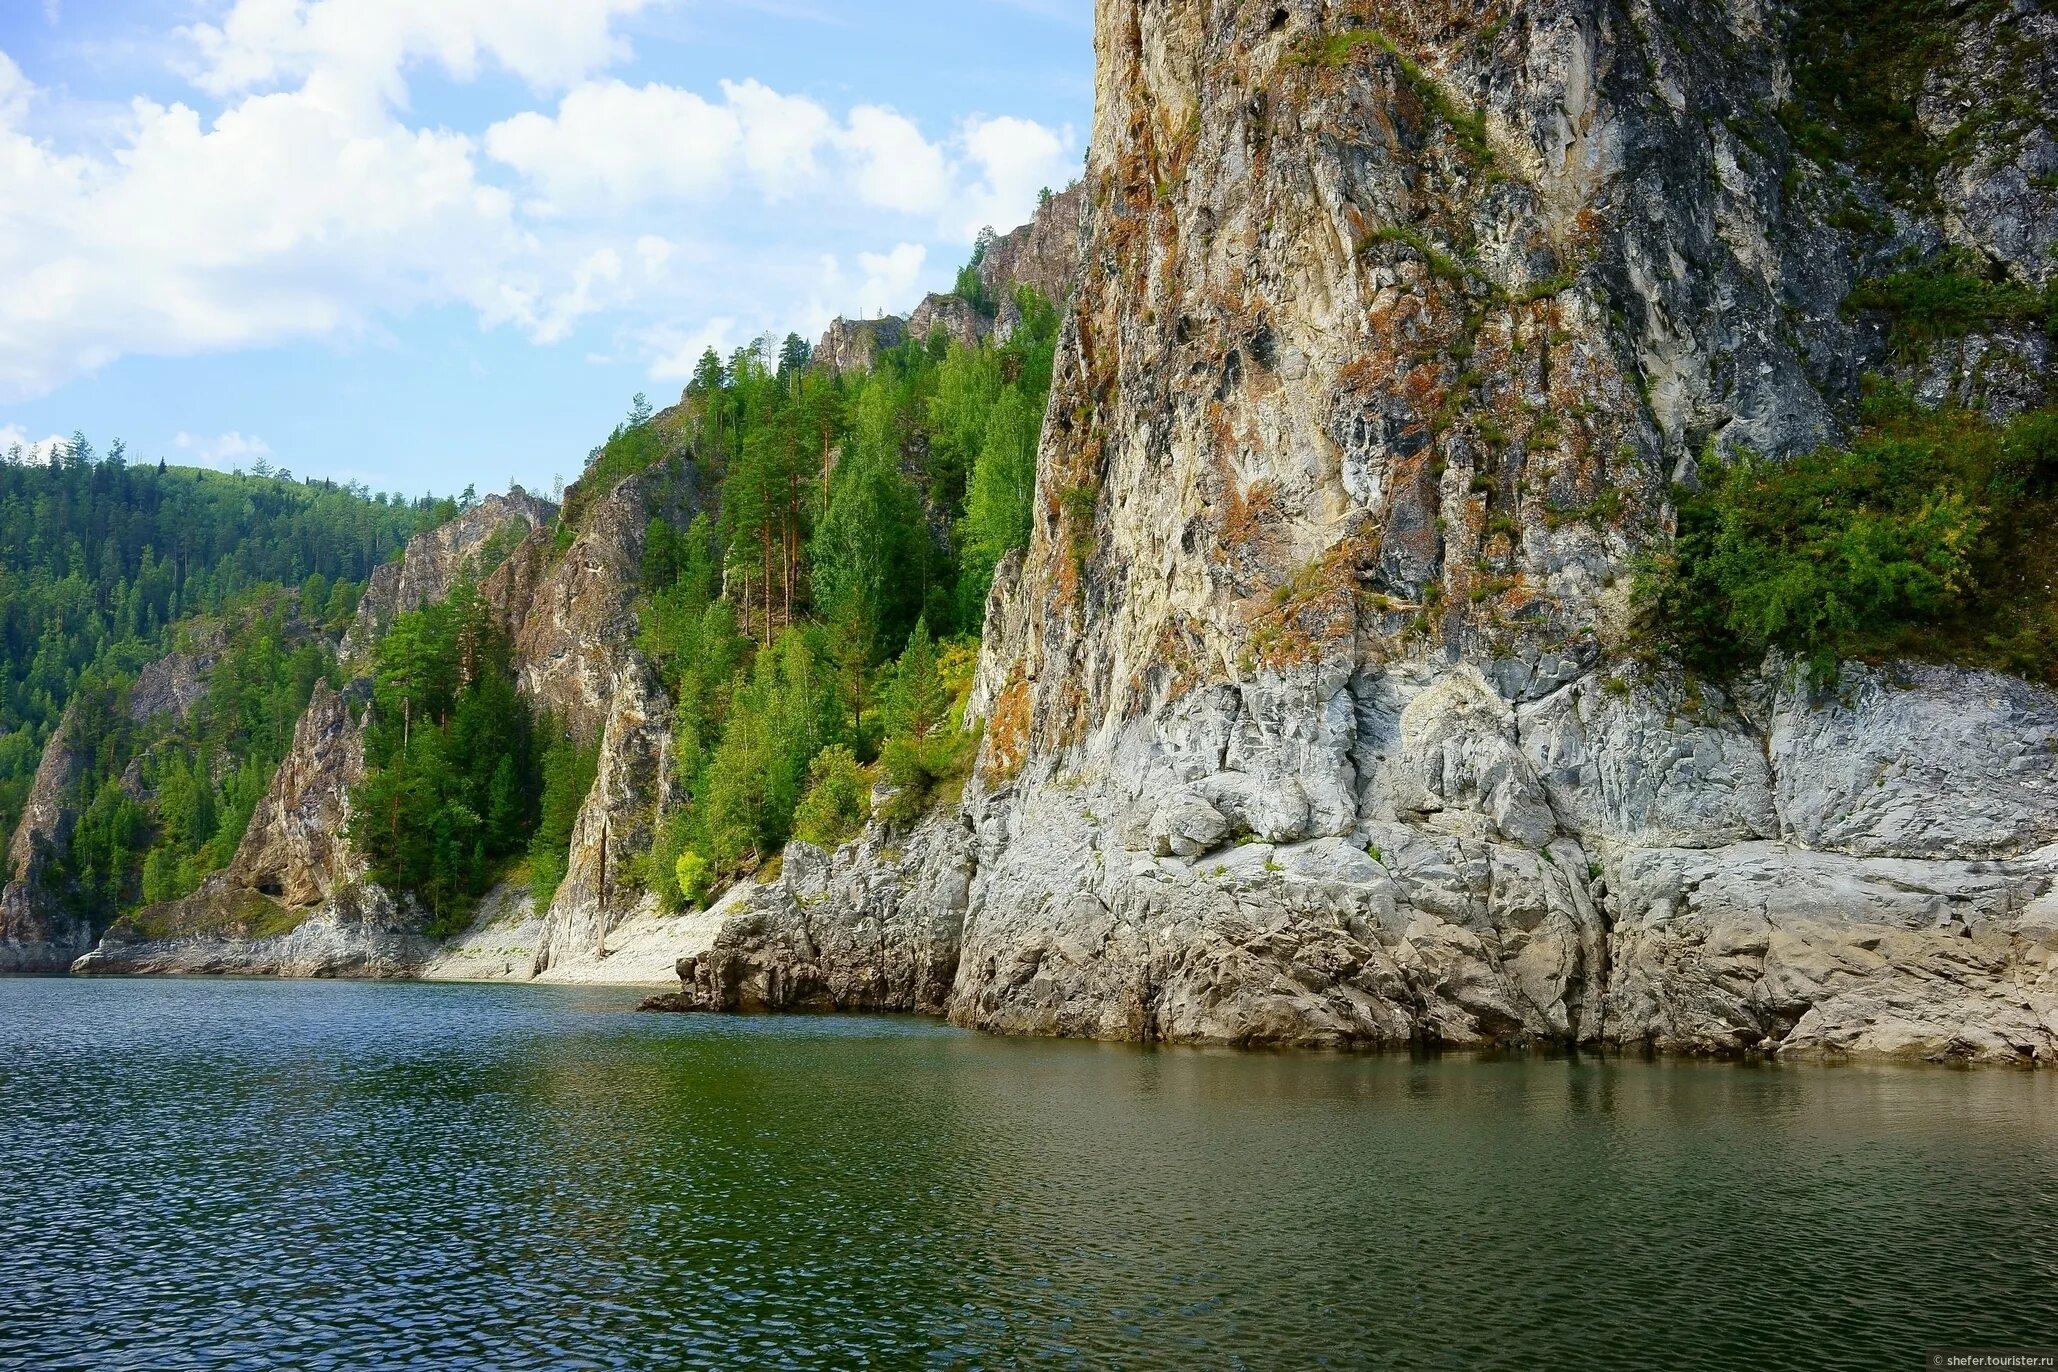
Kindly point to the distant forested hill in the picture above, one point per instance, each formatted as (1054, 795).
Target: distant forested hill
(99, 558)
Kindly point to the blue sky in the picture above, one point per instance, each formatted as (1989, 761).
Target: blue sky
(422, 245)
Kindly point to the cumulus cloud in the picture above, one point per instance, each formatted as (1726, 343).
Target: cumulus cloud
(286, 217)
(365, 45)
(14, 93)
(893, 166)
(627, 145)
(223, 451)
(1016, 159)
(622, 144)
(308, 207)
(13, 436)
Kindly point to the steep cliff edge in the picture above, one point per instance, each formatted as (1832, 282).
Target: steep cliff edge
(295, 901)
(1307, 716)
(41, 928)
(36, 933)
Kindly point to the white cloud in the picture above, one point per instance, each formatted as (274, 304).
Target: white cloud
(314, 211)
(621, 143)
(13, 436)
(675, 353)
(224, 451)
(654, 254)
(894, 167)
(1016, 158)
(363, 45)
(631, 145)
(15, 91)
(288, 217)
(781, 134)
(593, 288)
(885, 283)
(889, 280)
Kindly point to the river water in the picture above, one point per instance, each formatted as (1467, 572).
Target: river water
(257, 1174)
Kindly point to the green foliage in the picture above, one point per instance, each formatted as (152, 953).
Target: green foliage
(1950, 297)
(1000, 512)
(838, 800)
(1927, 537)
(164, 801)
(841, 500)
(693, 877)
(1860, 67)
(569, 769)
(637, 444)
(784, 714)
(971, 284)
(926, 747)
(450, 760)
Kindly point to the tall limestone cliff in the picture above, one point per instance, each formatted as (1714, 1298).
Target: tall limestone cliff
(576, 656)
(1307, 715)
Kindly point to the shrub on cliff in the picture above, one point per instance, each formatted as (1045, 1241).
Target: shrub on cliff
(838, 799)
(1927, 537)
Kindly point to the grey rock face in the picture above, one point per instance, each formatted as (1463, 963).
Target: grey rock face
(874, 928)
(1308, 728)
(176, 682)
(1917, 762)
(433, 564)
(951, 316)
(295, 851)
(359, 932)
(1046, 253)
(36, 935)
(854, 345)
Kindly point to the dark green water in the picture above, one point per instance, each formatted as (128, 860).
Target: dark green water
(242, 1174)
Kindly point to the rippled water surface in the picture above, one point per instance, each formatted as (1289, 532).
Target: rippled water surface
(249, 1174)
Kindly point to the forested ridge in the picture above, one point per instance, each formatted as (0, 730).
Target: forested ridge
(816, 622)
(102, 560)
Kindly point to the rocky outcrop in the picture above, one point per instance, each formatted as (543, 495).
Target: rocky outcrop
(1306, 719)
(175, 683)
(295, 901)
(875, 927)
(576, 657)
(295, 850)
(952, 316)
(39, 931)
(434, 562)
(854, 345)
(573, 616)
(37, 934)
(226, 930)
(1046, 253)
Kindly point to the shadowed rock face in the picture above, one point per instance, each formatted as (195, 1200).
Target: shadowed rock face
(1046, 253)
(1304, 716)
(37, 932)
(36, 935)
